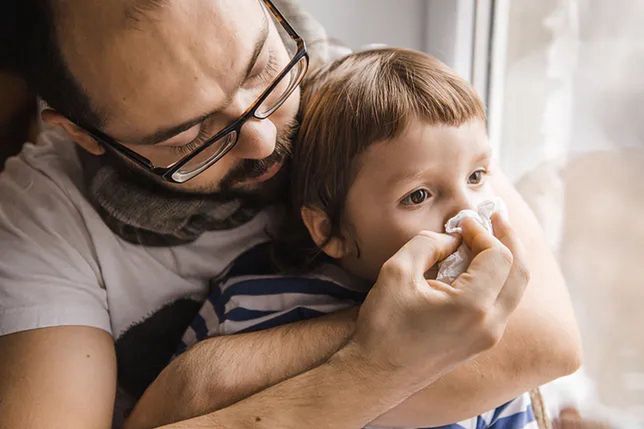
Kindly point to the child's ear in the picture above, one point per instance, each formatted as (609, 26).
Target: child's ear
(79, 136)
(319, 226)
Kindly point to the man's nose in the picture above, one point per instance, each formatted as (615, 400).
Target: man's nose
(256, 139)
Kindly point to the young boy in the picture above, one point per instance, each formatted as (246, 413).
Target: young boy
(391, 143)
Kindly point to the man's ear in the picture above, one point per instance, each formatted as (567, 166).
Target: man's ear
(79, 136)
(319, 226)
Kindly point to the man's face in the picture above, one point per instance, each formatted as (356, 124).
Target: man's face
(150, 73)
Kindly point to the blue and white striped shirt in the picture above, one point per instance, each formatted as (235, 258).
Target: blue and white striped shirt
(250, 296)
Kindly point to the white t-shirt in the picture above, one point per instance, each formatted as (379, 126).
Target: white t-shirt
(61, 265)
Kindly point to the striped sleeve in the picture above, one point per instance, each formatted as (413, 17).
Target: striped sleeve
(515, 414)
(252, 303)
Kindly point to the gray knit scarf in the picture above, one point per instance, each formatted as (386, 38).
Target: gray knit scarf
(141, 211)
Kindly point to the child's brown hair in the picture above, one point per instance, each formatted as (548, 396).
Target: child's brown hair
(352, 103)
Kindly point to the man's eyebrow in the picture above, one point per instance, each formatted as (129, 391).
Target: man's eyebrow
(259, 45)
(167, 133)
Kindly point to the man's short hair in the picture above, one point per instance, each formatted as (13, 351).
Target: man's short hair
(30, 46)
(32, 49)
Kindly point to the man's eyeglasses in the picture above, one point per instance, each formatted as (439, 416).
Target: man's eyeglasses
(180, 164)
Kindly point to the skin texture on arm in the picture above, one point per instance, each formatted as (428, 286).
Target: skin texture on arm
(338, 394)
(62, 377)
(540, 343)
(211, 375)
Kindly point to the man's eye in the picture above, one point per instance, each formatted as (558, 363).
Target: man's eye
(183, 137)
(268, 72)
(416, 197)
(476, 177)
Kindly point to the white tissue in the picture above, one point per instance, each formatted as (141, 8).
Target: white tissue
(456, 263)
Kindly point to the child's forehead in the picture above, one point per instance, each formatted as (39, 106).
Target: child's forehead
(421, 142)
(425, 150)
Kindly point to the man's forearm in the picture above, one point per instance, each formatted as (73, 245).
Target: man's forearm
(345, 392)
(223, 370)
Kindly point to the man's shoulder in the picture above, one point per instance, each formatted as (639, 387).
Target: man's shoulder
(50, 165)
(42, 186)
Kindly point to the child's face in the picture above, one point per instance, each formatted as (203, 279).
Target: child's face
(412, 183)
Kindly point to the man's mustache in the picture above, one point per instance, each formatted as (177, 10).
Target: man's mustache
(251, 168)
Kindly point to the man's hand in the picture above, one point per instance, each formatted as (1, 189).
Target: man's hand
(407, 321)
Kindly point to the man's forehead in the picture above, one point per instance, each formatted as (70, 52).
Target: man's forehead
(183, 55)
(125, 12)
(89, 28)
(137, 10)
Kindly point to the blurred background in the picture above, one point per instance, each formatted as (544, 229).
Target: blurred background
(563, 81)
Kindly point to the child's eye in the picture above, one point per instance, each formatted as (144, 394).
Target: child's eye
(416, 197)
(476, 177)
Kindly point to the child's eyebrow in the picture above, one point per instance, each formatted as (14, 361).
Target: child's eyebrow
(484, 155)
(410, 175)
(407, 176)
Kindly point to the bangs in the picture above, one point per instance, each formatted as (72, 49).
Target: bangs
(375, 93)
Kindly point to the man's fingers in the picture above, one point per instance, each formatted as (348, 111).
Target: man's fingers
(514, 287)
(476, 237)
(486, 275)
(502, 229)
(490, 266)
(423, 251)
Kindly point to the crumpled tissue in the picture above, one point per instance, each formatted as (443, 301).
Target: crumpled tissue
(456, 263)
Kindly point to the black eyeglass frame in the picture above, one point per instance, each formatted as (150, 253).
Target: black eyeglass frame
(167, 173)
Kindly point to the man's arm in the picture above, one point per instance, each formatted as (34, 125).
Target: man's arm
(343, 393)
(211, 375)
(541, 343)
(63, 377)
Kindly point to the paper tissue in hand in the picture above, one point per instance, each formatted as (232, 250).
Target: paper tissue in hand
(457, 262)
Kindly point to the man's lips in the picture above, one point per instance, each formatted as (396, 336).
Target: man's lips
(268, 174)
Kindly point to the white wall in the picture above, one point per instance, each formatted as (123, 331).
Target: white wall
(443, 28)
(361, 22)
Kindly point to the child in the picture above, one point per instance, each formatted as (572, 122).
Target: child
(391, 142)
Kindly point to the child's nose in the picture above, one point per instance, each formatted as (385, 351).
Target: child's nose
(460, 201)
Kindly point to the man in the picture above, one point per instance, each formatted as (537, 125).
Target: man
(181, 112)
